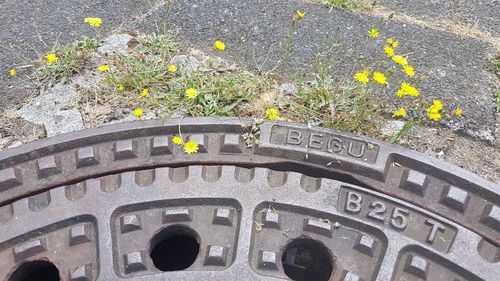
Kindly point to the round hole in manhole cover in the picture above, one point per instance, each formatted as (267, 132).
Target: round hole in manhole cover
(306, 259)
(175, 248)
(38, 270)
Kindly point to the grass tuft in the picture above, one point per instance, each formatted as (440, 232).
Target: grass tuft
(72, 59)
(162, 45)
(497, 100)
(495, 65)
(346, 5)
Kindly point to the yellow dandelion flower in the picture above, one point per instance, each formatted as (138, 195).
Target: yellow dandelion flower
(436, 116)
(392, 42)
(177, 140)
(191, 93)
(413, 92)
(373, 32)
(379, 77)
(458, 112)
(389, 51)
(437, 104)
(300, 14)
(401, 112)
(408, 69)
(103, 68)
(144, 93)
(121, 88)
(191, 147)
(272, 113)
(409, 89)
(12, 72)
(363, 76)
(138, 112)
(219, 45)
(172, 68)
(51, 58)
(433, 112)
(400, 93)
(400, 60)
(93, 21)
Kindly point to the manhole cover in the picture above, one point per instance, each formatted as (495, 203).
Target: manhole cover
(124, 202)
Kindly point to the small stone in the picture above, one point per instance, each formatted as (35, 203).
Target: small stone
(178, 113)
(15, 144)
(48, 110)
(116, 43)
(288, 89)
(186, 64)
(64, 122)
(393, 127)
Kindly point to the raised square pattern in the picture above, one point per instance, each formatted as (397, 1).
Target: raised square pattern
(9, 178)
(82, 273)
(130, 223)
(414, 181)
(79, 234)
(159, 145)
(366, 244)
(202, 142)
(417, 266)
(271, 219)
(47, 166)
(134, 262)
(318, 226)
(29, 248)
(491, 216)
(125, 149)
(349, 276)
(230, 143)
(216, 256)
(85, 156)
(223, 216)
(455, 198)
(177, 215)
(268, 260)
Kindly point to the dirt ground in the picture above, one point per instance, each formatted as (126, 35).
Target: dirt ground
(473, 155)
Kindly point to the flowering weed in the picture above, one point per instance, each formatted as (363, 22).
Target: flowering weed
(65, 61)
(148, 79)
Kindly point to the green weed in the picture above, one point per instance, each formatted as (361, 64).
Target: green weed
(71, 60)
(163, 45)
(347, 5)
(495, 65)
(497, 100)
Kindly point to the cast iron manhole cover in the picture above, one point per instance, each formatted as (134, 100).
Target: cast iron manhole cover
(123, 202)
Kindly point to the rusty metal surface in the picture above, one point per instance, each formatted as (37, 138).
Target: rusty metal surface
(383, 213)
